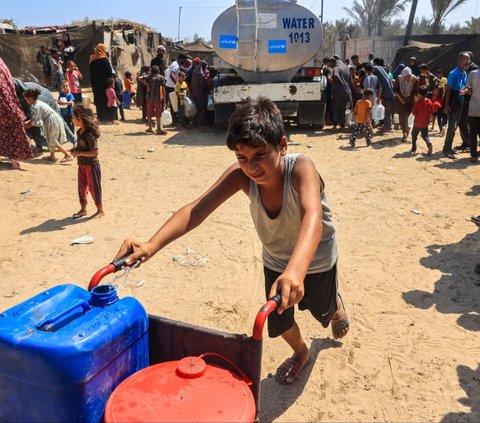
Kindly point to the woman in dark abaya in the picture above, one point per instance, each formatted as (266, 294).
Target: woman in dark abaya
(199, 93)
(100, 71)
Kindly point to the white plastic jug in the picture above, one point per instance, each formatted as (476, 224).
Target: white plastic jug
(411, 118)
(378, 112)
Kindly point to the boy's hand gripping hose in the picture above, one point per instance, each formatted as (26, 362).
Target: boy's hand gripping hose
(113, 267)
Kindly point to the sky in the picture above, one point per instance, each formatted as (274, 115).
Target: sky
(196, 16)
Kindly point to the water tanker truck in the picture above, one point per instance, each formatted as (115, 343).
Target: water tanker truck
(269, 47)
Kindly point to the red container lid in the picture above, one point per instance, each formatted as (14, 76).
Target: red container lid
(188, 390)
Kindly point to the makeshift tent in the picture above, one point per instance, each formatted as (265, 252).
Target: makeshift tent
(130, 45)
(439, 53)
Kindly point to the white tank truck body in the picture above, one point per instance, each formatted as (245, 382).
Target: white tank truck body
(271, 46)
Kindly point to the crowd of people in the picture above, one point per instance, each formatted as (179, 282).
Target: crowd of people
(417, 96)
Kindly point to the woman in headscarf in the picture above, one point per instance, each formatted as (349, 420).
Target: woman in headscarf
(413, 65)
(68, 48)
(199, 93)
(36, 133)
(405, 88)
(398, 71)
(100, 70)
(14, 142)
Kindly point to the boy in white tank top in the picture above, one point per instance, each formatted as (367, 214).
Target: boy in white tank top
(292, 218)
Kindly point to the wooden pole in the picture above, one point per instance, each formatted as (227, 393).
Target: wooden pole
(411, 18)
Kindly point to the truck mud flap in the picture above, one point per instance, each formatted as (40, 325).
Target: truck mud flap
(223, 113)
(311, 113)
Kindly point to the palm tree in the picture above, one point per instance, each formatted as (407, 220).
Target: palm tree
(422, 26)
(473, 26)
(333, 32)
(362, 13)
(374, 15)
(441, 9)
(385, 10)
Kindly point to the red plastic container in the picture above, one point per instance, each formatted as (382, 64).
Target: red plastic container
(187, 390)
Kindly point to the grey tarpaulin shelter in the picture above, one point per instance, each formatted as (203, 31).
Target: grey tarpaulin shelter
(131, 45)
(439, 51)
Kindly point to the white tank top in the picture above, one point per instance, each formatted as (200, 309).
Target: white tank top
(279, 235)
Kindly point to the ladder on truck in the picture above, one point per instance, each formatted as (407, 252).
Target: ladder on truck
(247, 33)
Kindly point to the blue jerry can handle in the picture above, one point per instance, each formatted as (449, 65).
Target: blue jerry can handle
(57, 316)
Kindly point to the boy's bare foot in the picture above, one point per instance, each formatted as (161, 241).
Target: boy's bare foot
(291, 369)
(340, 322)
(79, 214)
(161, 132)
(98, 214)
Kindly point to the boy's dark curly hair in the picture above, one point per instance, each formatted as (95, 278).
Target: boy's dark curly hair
(256, 124)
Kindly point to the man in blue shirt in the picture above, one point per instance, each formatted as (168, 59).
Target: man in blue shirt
(456, 83)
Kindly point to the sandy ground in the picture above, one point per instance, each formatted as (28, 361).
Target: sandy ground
(407, 277)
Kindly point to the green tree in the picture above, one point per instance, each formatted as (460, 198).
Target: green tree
(336, 32)
(441, 9)
(396, 27)
(373, 16)
(385, 11)
(422, 26)
(80, 22)
(472, 26)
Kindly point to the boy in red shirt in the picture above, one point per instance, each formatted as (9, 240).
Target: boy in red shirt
(422, 110)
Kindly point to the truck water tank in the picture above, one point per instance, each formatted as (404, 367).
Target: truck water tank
(267, 43)
(64, 351)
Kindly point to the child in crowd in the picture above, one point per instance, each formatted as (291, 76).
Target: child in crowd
(441, 77)
(65, 101)
(438, 106)
(74, 77)
(112, 102)
(181, 89)
(155, 99)
(363, 118)
(422, 110)
(57, 69)
(129, 90)
(86, 152)
(293, 221)
(53, 125)
(118, 86)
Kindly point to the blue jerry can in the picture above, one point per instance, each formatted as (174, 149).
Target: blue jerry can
(63, 352)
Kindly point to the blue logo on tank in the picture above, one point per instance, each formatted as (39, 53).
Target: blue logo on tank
(228, 41)
(277, 46)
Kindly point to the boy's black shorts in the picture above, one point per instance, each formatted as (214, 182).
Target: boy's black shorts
(320, 299)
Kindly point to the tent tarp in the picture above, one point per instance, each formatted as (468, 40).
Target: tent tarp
(439, 57)
(19, 51)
